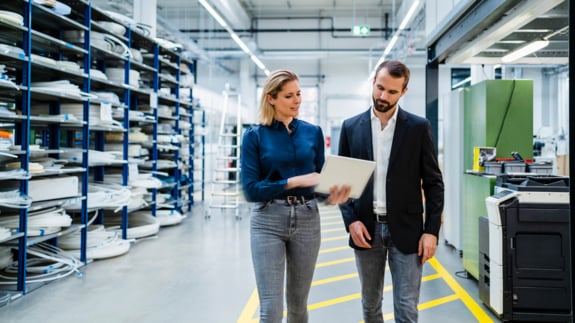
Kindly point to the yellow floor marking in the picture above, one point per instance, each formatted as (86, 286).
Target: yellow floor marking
(332, 223)
(342, 229)
(331, 217)
(430, 277)
(424, 306)
(333, 249)
(335, 262)
(334, 301)
(437, 302)
(334, 279)
(253, 303)
(344, 237)
(471, 304)
(250, 309)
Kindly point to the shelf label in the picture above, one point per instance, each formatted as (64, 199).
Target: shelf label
(106, 111)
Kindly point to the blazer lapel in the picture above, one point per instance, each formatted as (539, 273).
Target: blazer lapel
(400, 130)
(365, 133)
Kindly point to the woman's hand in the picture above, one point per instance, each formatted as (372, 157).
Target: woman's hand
(338, 195)
(307, 180)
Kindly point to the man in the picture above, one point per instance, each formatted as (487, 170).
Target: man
(387, 221)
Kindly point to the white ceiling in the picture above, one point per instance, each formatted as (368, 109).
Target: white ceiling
(313, 29)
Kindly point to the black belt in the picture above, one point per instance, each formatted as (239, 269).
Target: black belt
(381, 218)
(295, 199)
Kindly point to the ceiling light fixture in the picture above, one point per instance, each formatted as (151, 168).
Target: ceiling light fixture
(406, 20)
(531, 47)
(233, 35)
(525, 50)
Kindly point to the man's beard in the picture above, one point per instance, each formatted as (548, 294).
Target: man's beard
(382, 105)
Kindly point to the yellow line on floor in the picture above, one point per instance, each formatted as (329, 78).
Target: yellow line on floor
(334, 301)
(333, 230)
(437, 302)
(332, 223)
(334, 249)
(250, 309)
(247, 315)
(335, 262)
(343, 237)
(430, 277)
(471, 304)
(333, 279)
(331, 217)
(252, 305)
(427, 305)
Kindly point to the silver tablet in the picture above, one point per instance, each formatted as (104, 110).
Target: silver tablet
(339, 170)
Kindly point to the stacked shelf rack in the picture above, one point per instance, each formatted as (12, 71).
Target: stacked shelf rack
(74, 88)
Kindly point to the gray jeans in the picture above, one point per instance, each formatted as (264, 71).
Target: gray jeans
(406, 270)
(284, 234)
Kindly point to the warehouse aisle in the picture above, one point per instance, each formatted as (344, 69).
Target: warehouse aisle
(200, 271)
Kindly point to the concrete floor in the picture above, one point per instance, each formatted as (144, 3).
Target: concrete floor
(200, 271)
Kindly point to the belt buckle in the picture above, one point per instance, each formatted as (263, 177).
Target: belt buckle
(291, 199)
(381, 218)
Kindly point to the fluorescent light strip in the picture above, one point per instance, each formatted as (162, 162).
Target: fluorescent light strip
(259, 63)
(234, 36)
(460, 83)
(240, 43)
(409, 15)
(402, 26)
(525, 50)
(214, 13)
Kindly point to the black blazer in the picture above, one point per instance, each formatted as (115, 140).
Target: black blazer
(412, 170)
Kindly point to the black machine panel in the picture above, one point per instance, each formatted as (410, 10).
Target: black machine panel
(537, 261)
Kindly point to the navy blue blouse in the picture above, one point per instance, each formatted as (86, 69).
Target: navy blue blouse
(270, 155)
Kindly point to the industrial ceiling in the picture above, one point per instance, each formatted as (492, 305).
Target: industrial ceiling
(314, 29)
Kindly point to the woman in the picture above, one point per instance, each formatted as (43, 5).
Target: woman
(280, 163)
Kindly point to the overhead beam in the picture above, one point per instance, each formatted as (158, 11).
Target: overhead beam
(470, 24)
(525, 12)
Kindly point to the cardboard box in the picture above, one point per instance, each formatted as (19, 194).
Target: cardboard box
(563, 165)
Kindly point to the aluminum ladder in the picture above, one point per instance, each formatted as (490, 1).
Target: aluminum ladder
(225, 186)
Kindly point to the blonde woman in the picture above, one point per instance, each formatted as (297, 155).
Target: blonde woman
(280, 165)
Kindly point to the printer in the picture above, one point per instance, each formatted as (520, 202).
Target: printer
(524, 249)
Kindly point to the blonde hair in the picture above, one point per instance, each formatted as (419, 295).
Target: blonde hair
(273, 85)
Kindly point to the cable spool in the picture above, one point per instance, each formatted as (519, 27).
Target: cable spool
(100, 243)
(140, 224)
(169, 217)
(46, 263)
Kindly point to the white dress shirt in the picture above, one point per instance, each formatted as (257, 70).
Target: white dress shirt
(381, 141)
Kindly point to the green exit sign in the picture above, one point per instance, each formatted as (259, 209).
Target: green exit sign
(360, 30)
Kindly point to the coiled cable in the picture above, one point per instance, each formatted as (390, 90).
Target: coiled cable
(49, 263)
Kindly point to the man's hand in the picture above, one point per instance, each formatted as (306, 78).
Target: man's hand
(427, 246)
(359, 234)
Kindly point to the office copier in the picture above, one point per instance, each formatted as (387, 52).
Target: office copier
(524, 249)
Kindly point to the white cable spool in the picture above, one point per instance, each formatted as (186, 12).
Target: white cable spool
(169, 217)
(47, 263)
(140, 224)
(113, 248)
(117, 74)
(113, 27)
(100, 244)
(11, 18)
(96, 234)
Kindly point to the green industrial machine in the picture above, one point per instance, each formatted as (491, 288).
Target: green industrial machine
(497, 113)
